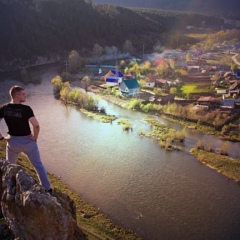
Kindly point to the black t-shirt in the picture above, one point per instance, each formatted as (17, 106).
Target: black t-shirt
(16, 117)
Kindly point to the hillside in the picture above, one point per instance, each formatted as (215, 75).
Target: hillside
(46, 27)
(221, 8)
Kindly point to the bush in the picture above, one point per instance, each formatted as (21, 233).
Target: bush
(133, 103)
(200, 145)
(224, 149)
(209, 147)
(148, 107)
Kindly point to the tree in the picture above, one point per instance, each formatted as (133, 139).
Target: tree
(216, 77)
(122, 63)
(57, 85)
(128, 47)
(188, 57)
(171, 63)
(65, 92)
(86, 80)
(173, 90)
(162, 68)
(97, 50)
(73, 62)
(24, 75)
(146, 67)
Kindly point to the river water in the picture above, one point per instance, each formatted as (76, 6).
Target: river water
(160, 195)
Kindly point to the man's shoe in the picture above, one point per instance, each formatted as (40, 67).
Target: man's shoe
(50, 191)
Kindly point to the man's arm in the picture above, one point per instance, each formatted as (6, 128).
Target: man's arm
(36, 127)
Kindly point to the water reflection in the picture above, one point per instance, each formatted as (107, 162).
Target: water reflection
(159, 194)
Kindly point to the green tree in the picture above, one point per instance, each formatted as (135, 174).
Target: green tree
(171, 63)
(57, 85)
(145, 67)
(157, 91)
(173, 90)
(188, 57)
(65, 92)
(122, 63)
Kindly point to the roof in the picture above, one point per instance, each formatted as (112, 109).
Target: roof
(207, 99)
(112, 79)
(131, 83)
(159, 61)
(116, 73)
(161, 80)
(151, 78)
(233, 85)
(230, 103)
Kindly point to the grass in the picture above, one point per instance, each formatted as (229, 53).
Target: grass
(225, 165)
(126, 124)
(102, 117)
(98, 226)
(195, 88)
(167, 136)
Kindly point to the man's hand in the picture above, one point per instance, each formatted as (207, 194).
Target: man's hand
(32, 137)
(2, 138)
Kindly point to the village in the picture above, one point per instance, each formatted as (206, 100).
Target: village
(216, 85)
(203, 85)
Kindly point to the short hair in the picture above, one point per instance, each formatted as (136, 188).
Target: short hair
(15, 90)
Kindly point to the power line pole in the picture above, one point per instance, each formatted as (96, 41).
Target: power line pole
(66, 69)
(143, 53)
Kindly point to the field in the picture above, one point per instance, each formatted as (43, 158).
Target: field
(193, 88)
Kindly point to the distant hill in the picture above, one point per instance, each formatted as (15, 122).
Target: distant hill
(223, 8)
(31, 28)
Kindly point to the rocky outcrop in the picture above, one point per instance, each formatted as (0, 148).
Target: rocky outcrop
(30, 212)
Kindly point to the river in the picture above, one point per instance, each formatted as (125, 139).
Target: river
(160, 195)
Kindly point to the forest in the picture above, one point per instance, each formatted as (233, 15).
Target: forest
(223, 8)
(31, 28)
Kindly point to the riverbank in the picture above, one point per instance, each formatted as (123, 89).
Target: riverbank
(229, 167)
(90, 220)
(231, 134)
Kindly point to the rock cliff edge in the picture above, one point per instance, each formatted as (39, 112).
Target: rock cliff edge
(30, 212)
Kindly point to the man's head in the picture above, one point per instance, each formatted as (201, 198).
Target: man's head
(17, 94)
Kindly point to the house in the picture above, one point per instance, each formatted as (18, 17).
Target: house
(233, 88)
(150, 81)
(162, 83)
(227, 104)
(113, 78)
(176, 82)
(238, 74)
(129, 87)
(221, 91)
(208, 101)
(193, 69)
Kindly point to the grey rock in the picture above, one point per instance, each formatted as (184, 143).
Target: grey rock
(30, 212)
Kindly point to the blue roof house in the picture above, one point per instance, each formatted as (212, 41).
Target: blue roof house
(129, 87)
(113, 78)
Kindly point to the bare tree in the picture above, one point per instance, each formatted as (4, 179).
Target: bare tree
(73, 62)
(128, 47)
